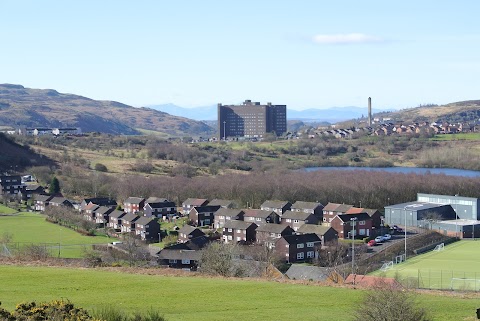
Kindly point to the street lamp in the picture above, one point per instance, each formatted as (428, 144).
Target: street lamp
(456, 216)
(353, 219)
(224, 134)
(405, 209)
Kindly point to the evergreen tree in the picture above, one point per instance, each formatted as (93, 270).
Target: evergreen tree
(54, 186)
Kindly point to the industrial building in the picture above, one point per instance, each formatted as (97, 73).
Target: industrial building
(251, 120)
(418, 214)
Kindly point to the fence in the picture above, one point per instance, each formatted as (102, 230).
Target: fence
(444, 280)
(44, 249)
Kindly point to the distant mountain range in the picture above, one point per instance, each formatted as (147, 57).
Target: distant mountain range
(49, 108)
(331, 115)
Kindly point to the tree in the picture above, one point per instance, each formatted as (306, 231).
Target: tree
(218, 259)
(54, 186)
(100, 167)
(387, 302)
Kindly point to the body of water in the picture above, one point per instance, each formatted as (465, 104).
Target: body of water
(404, 170)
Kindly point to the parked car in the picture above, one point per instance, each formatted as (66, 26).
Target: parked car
(371, 243)
(387, 237)
(379, 239)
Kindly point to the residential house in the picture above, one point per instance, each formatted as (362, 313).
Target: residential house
(261, 217)
(183, 255)
(222, 203)
(11, 185)
(147, 228)
(298, 248)
(189, 203)
(226, 214)
(31, 191)
(89, 212)
(202, 215)
(333, 209)
(60, 201)
(278, 207)
(360, 225)
(297, 219)
(239, 231)
(42, 201)
(315, 208)
(128, 223)
(133, 204)
(374, 214)
(159, 207)
(326, 233)
(102, 215)
(188, 232)
(100, 201)
(269, 233)
(115, 220)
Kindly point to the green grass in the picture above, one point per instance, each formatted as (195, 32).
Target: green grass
(461, 136)
(6, 210)
(32, 228)
(462, 256)
(196, 298)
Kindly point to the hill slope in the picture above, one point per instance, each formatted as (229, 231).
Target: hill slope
(12, 154)
(49, 108)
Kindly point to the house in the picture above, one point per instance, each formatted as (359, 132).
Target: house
(222, 203)
(128, 222)
(42, 201)
(183, 255)
(268, 233)
(360, 224)
(326, 233)
(89, 212)
(226, 214)
(159, 207)
(115, 219)
(314, 208)
(202, 215)
(189, 203)
(239, 231)
(100, 201)
(298, 248)
(297, 219)
(278, 207)
(60, 201)
(188, 232)
(31, 191)
(261, 217)
(147, 228)
(11, 184)
(102, 214)
(374, 214)
(333, 209)
(133, 204)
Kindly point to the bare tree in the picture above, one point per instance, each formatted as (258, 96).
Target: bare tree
(218, 259)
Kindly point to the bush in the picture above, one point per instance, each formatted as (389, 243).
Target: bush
(100, 167)
(54, 310)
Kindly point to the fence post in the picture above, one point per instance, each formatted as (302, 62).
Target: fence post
(441, 279)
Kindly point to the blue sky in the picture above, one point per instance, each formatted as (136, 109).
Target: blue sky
(306, 54)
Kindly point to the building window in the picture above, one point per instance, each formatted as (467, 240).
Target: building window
(185, 261)
(172, 261)
(288, 220)
(361, 222)
(300, 256)
(300, 246)
(230, 230)
(361, 231)
(310, 244)
(259, 218)
(310, 254)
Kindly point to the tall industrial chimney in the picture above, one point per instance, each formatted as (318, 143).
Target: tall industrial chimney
(369, 111)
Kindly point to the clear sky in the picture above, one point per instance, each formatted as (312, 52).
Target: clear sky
(304, 54)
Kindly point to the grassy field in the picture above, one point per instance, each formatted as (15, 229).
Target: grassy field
(195, 298)
(461, 136)
(6, 210)
(32, 228)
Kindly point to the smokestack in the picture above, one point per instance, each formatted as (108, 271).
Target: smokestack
(369, 111)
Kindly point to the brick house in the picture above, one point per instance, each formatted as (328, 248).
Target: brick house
(133, 204)
(297, 219)
(202, 215)
(314, 208)
(60, 201)
(326, 233)
(278, 207)
(268, 233)
(239, 231)
(31, 191)
(261, 217)
(128, 223)
(115, 219)
(89, 212)
(222, 203)
(100, 201)
(147, 228)
(188, 232)
(362, 227)
(373, 213)
(102, 214)
(41, 202)
(159, 207)
(189, 203)
(298, 248)
(333, 209)
(226, 214)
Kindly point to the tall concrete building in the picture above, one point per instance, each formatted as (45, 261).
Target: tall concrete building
(251, 120)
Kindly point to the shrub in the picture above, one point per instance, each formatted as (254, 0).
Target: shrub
(100, 167)
(54, 310)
